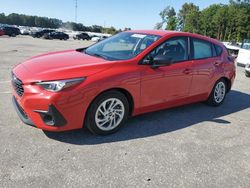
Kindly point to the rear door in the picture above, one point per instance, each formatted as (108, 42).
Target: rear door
(205, 64)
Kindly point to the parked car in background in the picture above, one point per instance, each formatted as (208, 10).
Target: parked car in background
(1, 32)
(98, 38)
(82, 36)
(103, 38)
(233, 48)
(95, 38)
(11, 31)
(39, 34)
(25, 31)
(247, 70)
(56, 35)
(131, 73)
(244, 53)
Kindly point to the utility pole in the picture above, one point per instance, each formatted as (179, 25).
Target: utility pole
(76, 6)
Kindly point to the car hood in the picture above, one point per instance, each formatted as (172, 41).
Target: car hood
(60, 65)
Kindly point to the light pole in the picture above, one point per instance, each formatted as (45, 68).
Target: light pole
(76, 6)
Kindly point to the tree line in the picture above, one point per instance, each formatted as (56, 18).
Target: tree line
(44, 22)
(230, 22)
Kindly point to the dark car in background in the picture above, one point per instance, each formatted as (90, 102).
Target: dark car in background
(82, 36)
(40, 34)
(56, 35)
(11, 31)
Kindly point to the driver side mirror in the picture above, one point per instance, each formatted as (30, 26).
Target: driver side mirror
(161, 61)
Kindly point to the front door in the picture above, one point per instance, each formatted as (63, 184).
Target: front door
(168, 83)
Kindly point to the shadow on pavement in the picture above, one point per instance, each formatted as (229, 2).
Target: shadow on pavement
(161, 122)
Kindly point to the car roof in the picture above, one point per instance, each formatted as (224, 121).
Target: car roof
(152, 32)
(164, 33)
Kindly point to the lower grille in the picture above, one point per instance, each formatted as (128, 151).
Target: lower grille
(21, 110)
(18, 85)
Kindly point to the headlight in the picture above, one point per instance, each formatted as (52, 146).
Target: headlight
(59, 85)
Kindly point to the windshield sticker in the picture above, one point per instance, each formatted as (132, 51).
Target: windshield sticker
(138, 36)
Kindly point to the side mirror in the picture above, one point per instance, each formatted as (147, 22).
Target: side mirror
(161, 61)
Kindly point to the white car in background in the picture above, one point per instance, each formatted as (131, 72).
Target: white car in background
(244, 53)
(95, 39)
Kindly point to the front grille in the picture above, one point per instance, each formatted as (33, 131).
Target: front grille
(18, 85)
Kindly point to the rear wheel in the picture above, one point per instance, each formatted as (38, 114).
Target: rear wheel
(247, 74)
(107, 113)
(218, 93)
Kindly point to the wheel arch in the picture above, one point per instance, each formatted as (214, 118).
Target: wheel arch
(228, 82)
(125, 92)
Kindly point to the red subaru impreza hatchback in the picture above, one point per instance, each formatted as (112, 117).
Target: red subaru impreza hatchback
(128, 74)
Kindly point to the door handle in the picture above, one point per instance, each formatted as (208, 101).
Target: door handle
(187, 71)
(217, 63)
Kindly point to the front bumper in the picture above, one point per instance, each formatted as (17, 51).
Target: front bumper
(51, 111)
(21, 113)
(52, 117)
(247, 70)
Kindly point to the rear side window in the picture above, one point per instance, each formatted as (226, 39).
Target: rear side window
(202, 49)
(218, 50)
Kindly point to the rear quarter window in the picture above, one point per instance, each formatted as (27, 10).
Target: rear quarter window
(218, 50)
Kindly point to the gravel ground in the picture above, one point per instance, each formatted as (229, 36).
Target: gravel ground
(190, 146)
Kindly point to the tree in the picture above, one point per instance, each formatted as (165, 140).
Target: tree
(168, 17)
(192, 22)
(2, 18)
(184, 11)
(221, 21)
(109, 30)
(45, 22)
(172, 23)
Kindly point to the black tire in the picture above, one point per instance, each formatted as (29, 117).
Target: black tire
(212, 99)
(90, 121)
(247, 74)
(13, 35)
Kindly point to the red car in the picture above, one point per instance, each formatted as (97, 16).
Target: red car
(131, 73)
(1, 32)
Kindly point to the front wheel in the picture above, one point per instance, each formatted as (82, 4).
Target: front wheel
(107, 113)
(218, 93)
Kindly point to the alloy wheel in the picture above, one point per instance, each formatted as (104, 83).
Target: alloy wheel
(219, 92)
(109, 114)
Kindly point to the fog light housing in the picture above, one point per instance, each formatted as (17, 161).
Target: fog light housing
(52, 117)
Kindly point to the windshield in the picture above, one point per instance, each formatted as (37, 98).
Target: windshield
(122, 46)
(246, 44)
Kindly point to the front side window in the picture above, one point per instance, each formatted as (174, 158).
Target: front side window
(202, 49)
(122, 46)
(175, 49)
